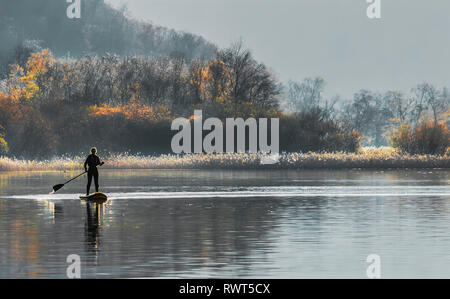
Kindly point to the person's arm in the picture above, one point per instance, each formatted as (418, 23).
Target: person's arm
(85, 163)
(99, 162)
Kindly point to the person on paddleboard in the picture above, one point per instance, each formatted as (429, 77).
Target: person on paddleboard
(92, 161)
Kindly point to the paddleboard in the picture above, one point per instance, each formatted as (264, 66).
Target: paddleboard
(95, 197)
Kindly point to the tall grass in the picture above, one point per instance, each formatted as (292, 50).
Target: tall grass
(366, 158)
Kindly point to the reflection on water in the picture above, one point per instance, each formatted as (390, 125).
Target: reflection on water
(94, 214)
(280, 224)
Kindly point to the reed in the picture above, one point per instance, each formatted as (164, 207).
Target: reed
(366, 158)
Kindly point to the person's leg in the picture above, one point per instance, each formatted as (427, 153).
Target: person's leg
(96, 180)
(89, 182)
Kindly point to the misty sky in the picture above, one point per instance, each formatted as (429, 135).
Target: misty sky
(333, 39)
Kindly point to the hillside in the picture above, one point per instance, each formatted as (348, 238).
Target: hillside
(29, 25)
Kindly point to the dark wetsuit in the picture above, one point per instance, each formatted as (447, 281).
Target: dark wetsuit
(92, 161)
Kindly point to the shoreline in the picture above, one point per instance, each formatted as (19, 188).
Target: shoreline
(368, 159)
(77, 171)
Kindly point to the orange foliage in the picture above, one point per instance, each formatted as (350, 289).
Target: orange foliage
(133, 110)
(218, 79)
(199, 77)
(3, 144)
(10, 109)
(25, 84)
(212, 82)
(427, 138)
(38, 63)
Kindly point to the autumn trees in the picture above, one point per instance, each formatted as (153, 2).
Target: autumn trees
(125, 97)
(52, 106)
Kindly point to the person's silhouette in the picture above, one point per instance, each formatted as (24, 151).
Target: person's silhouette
(92, 161)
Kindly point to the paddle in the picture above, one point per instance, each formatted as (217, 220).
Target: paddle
(59, 186)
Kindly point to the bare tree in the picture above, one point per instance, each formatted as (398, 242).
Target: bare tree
(429, 97)
(398, 105)
(438, 101)
(249, 80)
(305, 95)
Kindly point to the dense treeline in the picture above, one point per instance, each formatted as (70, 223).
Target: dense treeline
(52, 106)
(31, 25)
(57, 106)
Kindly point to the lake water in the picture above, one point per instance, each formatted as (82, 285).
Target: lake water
(228, 224)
